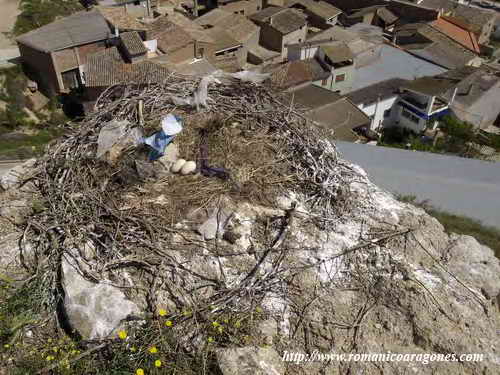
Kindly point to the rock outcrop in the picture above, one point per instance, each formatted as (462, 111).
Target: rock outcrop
(334, 264)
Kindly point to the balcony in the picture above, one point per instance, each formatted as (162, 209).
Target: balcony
(415, 103)
(438, 105)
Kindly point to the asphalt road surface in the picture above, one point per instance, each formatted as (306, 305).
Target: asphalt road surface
(462, 186)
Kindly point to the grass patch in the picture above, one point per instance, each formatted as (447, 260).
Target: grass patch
(487, 235)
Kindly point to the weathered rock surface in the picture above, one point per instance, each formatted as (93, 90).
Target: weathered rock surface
(14, 177)
(250, 361)
(15, 210)
(94, 310)
(361, 288)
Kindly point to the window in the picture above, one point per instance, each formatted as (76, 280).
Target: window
(323, 82)
(387, 113)
(410, 116)
(258, 8)
(340, 78)
(201, 52)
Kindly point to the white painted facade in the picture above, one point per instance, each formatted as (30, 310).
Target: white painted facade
(381, 112)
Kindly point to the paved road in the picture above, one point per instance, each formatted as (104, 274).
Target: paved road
(462, 186)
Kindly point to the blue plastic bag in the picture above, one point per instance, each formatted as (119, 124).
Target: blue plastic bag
(171, 126)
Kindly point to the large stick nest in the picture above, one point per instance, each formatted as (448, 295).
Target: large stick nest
(269, 148)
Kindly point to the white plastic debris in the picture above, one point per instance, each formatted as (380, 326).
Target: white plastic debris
(171, 125)
(117, 133)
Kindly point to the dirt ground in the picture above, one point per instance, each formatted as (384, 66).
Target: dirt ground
(8, 13)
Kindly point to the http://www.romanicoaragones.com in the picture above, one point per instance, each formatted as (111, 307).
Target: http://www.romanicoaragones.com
(423, 358)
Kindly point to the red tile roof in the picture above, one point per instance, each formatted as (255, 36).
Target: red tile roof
(456, 31)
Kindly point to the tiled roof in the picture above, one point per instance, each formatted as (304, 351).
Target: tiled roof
(319, 8)
(281, 19)
(312, 97)
(107, 68)
(169, 36)
(342, 114)
(223, 39)
(413, 12)
(287, 21)
(77, 29)
(266, 13)
(386, 15)
(439, 48)
(119, 18)
(297, 72)
(433, 86)
(329, 110)
(363, 11)
(476, 17)
(238, 26)
(384, 89)
(133, 43)
(463, 36)
(337, 52)
(192, 28)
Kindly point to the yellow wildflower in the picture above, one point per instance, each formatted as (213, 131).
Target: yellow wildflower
(168, 323)
(122, 335)
(153, 350)
(6, 346)
(139, 371)
(258, 309)
(186, 313)
(215, 324)
(210, 339)
(162, 312)
(133, 349)
(55, 349)
(50, 358)
(226, 320)
(158, 363)
(220, 329)
(237, 324)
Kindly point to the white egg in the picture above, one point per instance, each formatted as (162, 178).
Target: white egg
(188, 167)
(178, 166)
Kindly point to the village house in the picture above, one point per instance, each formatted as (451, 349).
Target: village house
(421, 104)
(241, 7)
(480, 21)
(280, 27)
(434, 43)
(470, 94)
(181, 39)
(54, 55)
(239, 27)
(378, 101)
(318, 13)
(334, 56)
(473, 93)
(378, 15)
